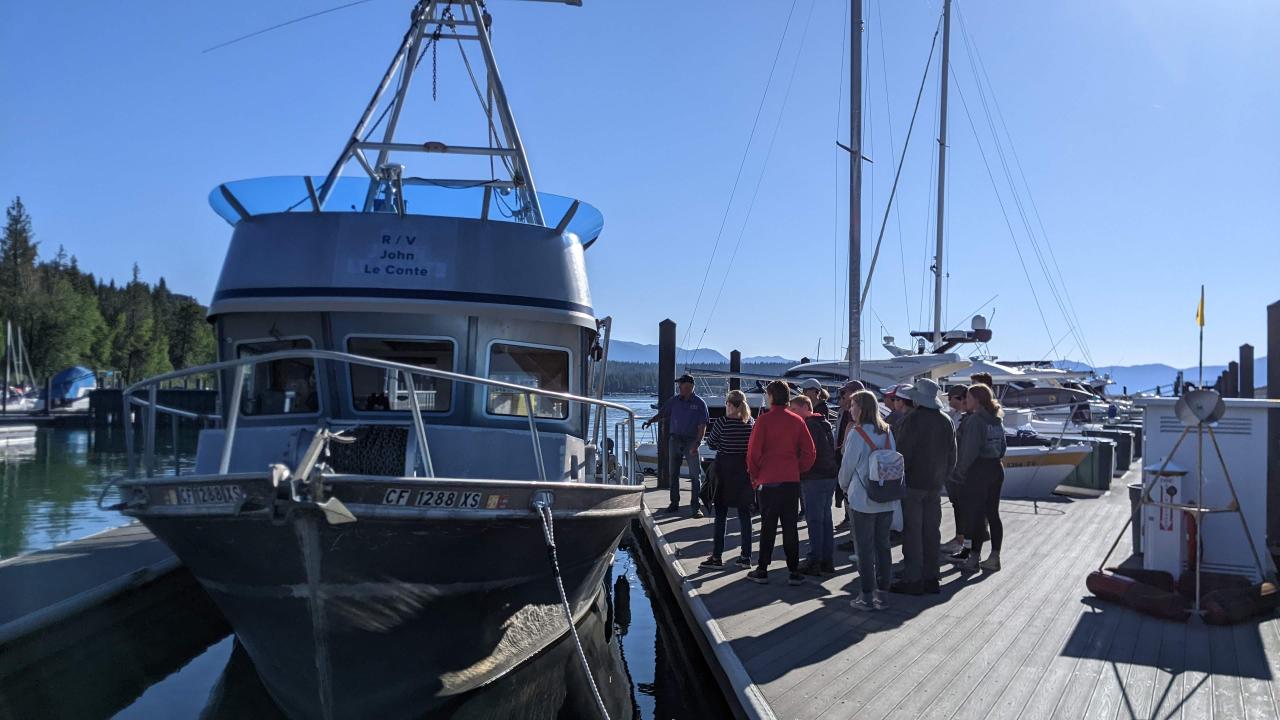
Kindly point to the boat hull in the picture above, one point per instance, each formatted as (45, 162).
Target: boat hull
(1033, 473)
(392, 615)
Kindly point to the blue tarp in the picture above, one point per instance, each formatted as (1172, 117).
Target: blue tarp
(73, 383)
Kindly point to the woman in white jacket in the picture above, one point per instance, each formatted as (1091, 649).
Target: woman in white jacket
(871, 520)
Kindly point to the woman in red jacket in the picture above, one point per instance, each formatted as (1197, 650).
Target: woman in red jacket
(780, 449)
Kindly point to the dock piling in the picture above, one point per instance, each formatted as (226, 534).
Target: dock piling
(1233, 379)
(1246, 371)
(735, 366)
(666, 388)
(1273, 422)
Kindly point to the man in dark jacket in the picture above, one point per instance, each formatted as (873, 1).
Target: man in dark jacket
(928, 446)
(817, 488)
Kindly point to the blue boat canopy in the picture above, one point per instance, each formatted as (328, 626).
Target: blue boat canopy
(241, 199)
(73, 383)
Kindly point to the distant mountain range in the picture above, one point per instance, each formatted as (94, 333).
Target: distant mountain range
(626, 351)
(1145, 377)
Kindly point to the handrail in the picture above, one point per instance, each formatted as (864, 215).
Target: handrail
(242, 365)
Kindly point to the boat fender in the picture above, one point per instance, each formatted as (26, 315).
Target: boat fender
(1234, 605)
(1154, 578)
(1144, 598)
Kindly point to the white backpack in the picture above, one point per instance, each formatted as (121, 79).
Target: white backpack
(886, 471)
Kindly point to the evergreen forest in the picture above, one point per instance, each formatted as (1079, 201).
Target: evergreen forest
(71, 317)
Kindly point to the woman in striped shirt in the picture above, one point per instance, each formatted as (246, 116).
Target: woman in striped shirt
(728, 437)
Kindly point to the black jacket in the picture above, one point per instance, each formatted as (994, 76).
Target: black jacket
(825, 465)
(928, 447)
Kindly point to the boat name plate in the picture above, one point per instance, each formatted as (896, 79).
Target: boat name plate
(442, 499)
(205, 495)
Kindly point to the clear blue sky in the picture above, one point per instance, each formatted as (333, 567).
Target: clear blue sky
(1146, 132)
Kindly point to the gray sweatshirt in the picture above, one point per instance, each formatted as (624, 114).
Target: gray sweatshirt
(970, 437)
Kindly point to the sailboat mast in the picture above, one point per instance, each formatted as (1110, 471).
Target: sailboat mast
(942, 171)
(855, 190)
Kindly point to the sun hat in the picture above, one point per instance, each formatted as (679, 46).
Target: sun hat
(924, 394)
(811, 384)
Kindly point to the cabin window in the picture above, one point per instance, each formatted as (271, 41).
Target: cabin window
(280, 387)
(534, 367)
(376, 389)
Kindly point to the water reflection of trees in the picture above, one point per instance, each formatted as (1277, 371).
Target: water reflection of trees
(49, 489)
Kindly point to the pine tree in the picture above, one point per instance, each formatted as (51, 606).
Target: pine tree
(18, 252)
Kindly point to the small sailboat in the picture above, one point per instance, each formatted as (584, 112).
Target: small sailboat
(406, 491)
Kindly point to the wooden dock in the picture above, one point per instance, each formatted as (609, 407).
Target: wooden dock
(49, 586)
(1026, 642)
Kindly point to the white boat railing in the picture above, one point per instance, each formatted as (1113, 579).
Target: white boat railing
(599, 466)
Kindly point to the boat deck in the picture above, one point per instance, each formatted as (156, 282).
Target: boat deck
(1026, 642)
(48, 586)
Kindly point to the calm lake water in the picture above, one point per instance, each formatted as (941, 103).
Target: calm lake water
(168, 653)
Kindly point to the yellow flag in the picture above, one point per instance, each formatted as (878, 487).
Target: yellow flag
(1200, 309)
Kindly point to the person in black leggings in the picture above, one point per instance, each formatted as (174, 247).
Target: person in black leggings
(729, 438)
(979, 477)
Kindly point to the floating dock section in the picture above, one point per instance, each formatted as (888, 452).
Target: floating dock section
(47, 587)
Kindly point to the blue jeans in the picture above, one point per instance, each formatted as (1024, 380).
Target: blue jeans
(684, 449)
(818, 495)
(871, 537)
(722, 522)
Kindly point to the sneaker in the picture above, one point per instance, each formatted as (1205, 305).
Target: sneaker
(842, 525)
(672, 508)
(743, 561)
(879, 600)
(968, 565)
(697, 513)
(931, 587)
(860, 603)
(902, 587)
(711, 563)
(992, 563)
(830, 568)
(959, 557)
(795, 578)
(808, 567)
(845, 546)
(759, 576)
(953, 546)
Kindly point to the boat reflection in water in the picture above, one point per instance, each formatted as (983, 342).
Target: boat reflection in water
(166, 652)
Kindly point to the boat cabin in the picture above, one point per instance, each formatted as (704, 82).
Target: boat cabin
(451, 283)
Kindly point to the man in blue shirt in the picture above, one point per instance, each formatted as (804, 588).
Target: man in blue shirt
(686, 417)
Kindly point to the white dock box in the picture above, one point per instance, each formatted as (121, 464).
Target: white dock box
(1241, 434)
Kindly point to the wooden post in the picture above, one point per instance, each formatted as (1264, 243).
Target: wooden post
(1246, 371)
(666, 388)
(735, 366)
(1273, 424)
(1233, 379)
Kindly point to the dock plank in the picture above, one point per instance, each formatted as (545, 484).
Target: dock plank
(1026, 642)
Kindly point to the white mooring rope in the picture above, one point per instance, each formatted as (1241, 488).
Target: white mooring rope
(549, 533)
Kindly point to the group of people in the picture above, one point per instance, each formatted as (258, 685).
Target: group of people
(802, 456)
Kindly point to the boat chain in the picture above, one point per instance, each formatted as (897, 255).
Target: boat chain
(542, 503)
